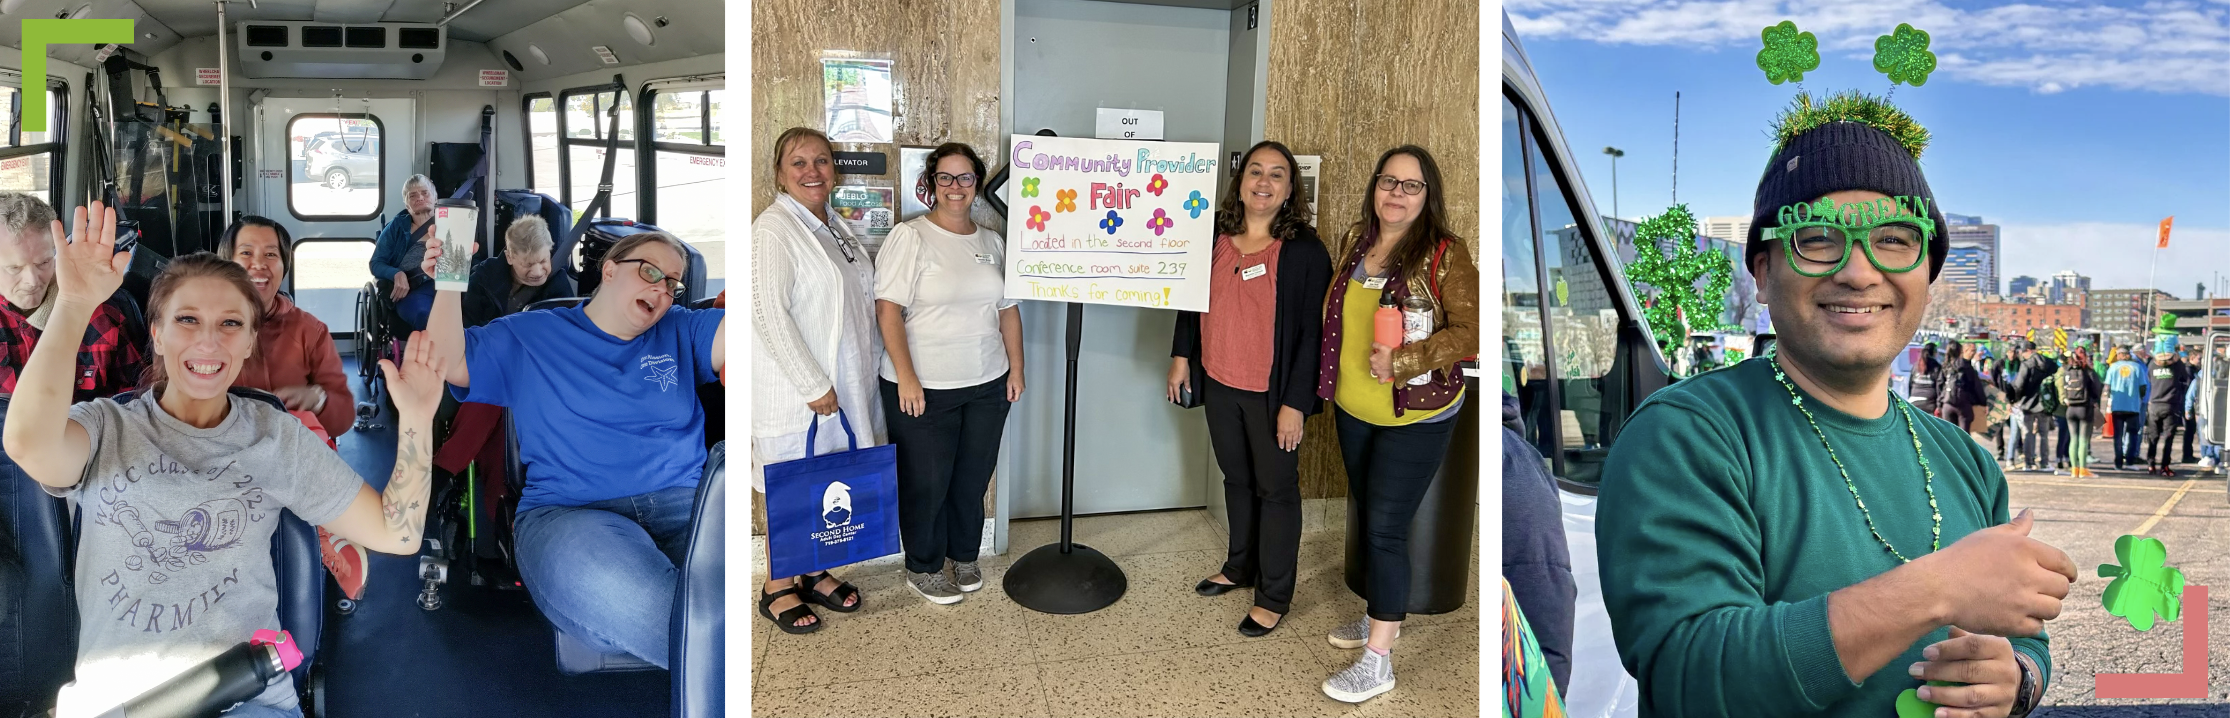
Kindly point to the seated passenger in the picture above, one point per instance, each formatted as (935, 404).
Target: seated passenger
(294, 356)
(611, 436)
(107, 361)
(522, 276)
(173, 565)
(402, 243)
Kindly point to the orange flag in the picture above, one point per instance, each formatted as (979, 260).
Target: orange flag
(2164, 224)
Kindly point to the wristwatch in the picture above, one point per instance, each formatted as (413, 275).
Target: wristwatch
(2024, 695)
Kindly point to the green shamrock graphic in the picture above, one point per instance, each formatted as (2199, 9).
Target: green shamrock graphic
(2144, 584)
(1909, 704)
(1788, 54)
(1904, 55)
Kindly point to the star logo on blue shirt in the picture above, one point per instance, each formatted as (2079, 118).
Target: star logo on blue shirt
(663, 371)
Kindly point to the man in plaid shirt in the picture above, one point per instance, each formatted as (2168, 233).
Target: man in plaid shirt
(108, 361)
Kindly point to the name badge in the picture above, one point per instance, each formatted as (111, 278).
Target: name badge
(1374, 283)
(1252, 272)
(986, 259)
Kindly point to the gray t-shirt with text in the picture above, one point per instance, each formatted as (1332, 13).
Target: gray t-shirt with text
(174, 556)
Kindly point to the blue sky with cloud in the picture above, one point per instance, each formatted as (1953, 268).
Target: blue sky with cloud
(2076, 127)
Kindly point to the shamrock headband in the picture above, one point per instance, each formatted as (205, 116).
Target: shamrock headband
(1849, 140)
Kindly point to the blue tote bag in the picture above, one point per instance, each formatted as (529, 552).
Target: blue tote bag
(834, 509)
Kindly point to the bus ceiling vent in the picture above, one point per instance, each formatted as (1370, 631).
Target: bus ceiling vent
(325, 50)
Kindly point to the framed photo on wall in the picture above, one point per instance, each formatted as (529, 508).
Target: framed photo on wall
(910, 200)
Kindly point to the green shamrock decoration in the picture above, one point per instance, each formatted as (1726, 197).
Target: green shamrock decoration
(1904, 55)
(1680, 306)
(2144, 584)
(1909, 704)
(1788, 54)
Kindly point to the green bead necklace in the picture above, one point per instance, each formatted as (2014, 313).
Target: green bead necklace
(1936, 532)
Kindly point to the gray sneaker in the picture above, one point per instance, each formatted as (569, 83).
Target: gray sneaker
(1371, 675)
(934, 586)
(1355, 634)
(967, 575)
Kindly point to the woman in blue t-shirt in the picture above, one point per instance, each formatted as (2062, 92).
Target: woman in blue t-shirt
(611, 437)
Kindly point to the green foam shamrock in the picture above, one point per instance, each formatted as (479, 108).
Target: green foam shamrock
(1909, 704)
(1788, 54)
(1904, 55)
(2144, 584)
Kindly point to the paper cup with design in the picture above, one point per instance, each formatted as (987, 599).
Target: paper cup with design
(456, 221)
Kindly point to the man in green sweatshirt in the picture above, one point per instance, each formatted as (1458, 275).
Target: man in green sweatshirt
(1786, 537)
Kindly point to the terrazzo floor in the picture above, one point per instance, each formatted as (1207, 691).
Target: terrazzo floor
(1160, 651)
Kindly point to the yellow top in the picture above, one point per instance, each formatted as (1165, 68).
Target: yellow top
(1357, 393)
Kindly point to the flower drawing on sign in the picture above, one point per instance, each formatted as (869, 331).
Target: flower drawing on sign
(1037, 218)
(1196, 204)
(1065, 201)
(1029, 186)
(1156, 185)
(1112, 222)
(1160, 222)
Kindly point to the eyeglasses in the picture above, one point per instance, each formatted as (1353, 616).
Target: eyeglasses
(1822, 234)
(963, 179)
(1387, 183)
(652, 274)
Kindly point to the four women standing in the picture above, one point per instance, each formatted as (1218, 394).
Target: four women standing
(1285, 333)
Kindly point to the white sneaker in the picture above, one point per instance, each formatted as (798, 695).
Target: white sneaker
(1355, 634)
(1371, 675)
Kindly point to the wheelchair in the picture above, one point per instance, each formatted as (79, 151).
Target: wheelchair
(380, 331)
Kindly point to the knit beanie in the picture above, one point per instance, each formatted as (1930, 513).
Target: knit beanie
(1834, 157)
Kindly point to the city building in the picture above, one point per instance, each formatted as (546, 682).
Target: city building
(2020, 285)
(2126, 310)
(1732, 229)
(2066, 284)
(1967, 268)
(1971, 233)
(2017, 318)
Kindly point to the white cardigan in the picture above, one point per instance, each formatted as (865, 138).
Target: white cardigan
(797, 323)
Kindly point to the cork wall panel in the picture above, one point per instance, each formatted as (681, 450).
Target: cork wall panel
(945, 86)
(1350, 79)
(945, 75)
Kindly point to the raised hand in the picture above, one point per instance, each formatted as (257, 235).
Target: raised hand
(88, 270)
(1999, 581)
(433, 253)
(418, 383)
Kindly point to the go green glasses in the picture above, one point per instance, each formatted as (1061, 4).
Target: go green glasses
(1896, 232)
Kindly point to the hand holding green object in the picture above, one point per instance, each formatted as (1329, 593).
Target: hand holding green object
(2144, 584)
(1909, 704)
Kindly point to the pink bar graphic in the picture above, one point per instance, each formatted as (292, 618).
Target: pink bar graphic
(2192, 682)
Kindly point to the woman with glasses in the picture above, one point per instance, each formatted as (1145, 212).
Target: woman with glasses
(814, 349)
(603, 398)
(954, 365)
(1394, 406)
(1253, 359)
(395, 258)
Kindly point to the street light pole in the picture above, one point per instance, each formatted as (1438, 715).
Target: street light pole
(1615, 153)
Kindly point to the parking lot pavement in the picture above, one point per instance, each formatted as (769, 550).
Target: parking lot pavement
(2190, 514)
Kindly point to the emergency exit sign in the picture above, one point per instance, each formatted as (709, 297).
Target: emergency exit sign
(1115, 124)
(208, 76)
(495, 78)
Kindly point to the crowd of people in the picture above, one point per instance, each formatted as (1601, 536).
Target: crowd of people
(2040, 409)
(918, 346)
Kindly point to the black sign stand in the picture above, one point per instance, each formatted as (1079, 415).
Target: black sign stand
(1067, 577)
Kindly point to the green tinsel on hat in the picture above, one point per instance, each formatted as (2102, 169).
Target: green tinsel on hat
(1806, 114)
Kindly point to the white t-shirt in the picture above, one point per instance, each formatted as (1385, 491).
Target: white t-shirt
(952, 287)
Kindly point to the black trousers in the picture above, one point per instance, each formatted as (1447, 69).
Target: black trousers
(2126, 436)
(945, 460)
(2191, 433)
(1388, 470)
(1261, 492)
(2161, 423)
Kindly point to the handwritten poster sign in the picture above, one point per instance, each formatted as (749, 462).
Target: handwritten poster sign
(1121, 222)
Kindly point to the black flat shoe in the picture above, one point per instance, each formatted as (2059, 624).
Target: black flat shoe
(1209, 587)
(1250, 629)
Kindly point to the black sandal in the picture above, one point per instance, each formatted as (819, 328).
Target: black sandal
(789, 618)
(833, 600)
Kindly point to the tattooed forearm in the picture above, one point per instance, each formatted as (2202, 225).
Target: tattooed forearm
(404, 501)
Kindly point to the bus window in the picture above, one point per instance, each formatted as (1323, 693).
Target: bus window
(583, 125)
(1582, 311)
(542, 144)
(337, 169)
(28, 164)
(688, 167)
(326, 276)
(1525, 368)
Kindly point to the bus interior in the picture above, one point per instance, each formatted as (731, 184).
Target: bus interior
(314, 113)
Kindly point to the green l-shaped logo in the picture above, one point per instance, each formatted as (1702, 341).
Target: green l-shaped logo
(39, 33)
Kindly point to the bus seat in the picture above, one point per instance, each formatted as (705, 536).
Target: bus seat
(43, 633)
(606, 232)
(698, 653)
(512, 204)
